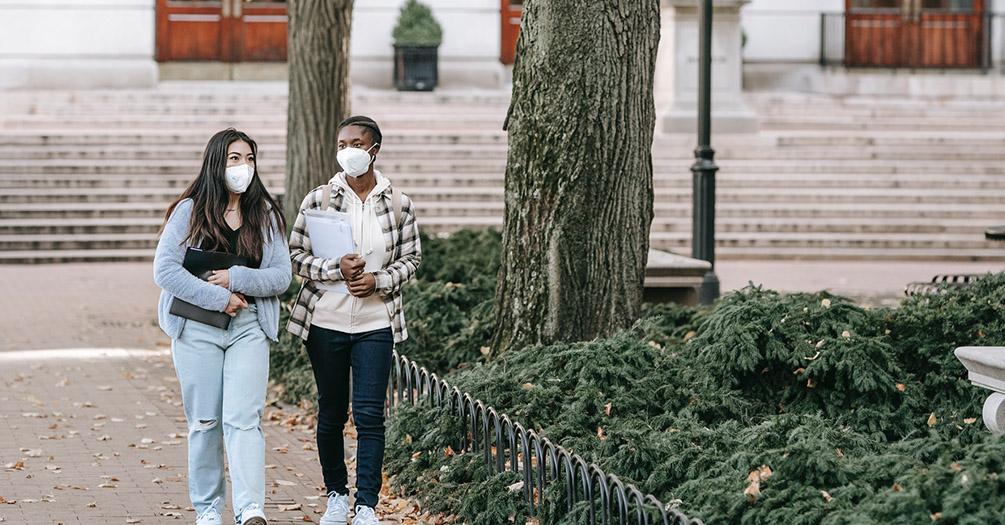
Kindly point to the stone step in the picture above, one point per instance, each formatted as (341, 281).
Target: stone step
(390, 166)
(728, 245)
(245, 122)
(878, 241)
(96, 187)
(722, 253)
(439, 220)
(402, 152)
(781, 198)
(754, 211)
(197, 138)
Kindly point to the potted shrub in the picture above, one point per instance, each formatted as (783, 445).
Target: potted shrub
(417, 37)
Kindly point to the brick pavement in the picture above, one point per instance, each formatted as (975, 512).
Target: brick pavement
(93, 436)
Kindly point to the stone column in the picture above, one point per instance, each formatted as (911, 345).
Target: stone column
(729, 113)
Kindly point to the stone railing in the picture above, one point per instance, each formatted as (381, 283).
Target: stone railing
(986, 365)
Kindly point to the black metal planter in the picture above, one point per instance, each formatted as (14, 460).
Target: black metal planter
(415, 67)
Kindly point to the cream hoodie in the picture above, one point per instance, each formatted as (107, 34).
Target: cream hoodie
(344, 312)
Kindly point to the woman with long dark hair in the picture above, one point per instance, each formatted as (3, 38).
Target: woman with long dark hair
(354, 332)
(223, 371)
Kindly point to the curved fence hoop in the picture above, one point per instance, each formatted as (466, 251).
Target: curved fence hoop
(540, 461)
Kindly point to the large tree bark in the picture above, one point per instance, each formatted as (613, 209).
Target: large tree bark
(319, 94)
(579, 176)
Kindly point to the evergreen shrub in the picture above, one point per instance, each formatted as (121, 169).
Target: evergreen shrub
(849, 414)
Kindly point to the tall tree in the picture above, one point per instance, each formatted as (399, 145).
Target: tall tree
(319, 93)
(579, 176)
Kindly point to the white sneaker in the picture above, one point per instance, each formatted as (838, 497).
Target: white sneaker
(364, 516)
(252, 515)
(338, 509)
(210, 516)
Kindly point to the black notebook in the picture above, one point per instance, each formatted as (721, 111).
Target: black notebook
(202, 263)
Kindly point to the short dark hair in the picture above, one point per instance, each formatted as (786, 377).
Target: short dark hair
(366, 123)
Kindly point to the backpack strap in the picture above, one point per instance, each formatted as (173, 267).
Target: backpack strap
(326, 197)
(396, 205)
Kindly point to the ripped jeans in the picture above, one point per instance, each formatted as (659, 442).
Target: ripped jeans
(223, 376)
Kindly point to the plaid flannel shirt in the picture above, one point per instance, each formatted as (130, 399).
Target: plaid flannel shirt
(402, 255)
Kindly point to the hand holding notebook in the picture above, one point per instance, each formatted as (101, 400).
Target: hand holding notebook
(202, 263)
(331, 238)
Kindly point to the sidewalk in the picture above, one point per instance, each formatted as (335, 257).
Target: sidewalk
(98, 436)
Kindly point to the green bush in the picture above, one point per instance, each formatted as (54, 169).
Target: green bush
(416, 26)
(861, 415)
(701, 397)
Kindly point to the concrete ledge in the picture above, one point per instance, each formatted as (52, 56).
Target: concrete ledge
(453, 73)
(672, 278)
(839, 81)
(77, 73)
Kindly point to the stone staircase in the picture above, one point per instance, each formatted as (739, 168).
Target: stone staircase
(87, 176)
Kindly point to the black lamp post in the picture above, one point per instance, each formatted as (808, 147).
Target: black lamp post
(704, 168)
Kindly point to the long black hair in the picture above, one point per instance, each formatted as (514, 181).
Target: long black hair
(210, 195)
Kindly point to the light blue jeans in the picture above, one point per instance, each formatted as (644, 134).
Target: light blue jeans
(223, 376)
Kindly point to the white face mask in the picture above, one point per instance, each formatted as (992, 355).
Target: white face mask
(354, 161)
(239, 177)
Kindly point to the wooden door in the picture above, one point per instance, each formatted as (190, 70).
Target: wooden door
(260, 31)
(914, 33)
(221, 30)
(510, 16)
(944, 33)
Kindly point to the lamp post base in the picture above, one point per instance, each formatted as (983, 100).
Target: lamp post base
(709, 290)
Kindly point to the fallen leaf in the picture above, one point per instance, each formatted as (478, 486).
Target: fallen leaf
(92, 504)
(285, 483)
(896, 486)
(839, 453)
(936, 516)
(826, 303)
(516, 487)
(846, 334)
(798, 371)
(901, 387)
(287, 508)
(809, 383)
(528, 385)
(448, 451)
(827, 497)
(970, 420)
(932, 419)
(600, 433)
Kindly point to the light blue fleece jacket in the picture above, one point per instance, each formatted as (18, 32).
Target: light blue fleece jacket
(264, 283)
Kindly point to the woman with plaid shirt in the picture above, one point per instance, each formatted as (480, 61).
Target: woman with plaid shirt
(354, 330)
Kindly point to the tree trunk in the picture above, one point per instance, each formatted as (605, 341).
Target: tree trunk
(579, 175)
(319, 94)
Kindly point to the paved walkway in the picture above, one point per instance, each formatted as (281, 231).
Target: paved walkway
(98, 436)
(91, 434)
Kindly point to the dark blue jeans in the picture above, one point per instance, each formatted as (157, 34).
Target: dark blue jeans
(367, 355)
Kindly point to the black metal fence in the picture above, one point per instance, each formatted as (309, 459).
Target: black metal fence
(596, 496)
(889, 40)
